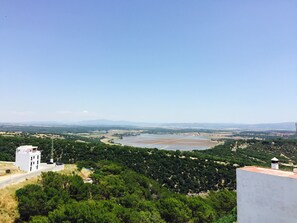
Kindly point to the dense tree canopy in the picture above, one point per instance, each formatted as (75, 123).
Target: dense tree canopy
(183, 172)
(117, 194)
(129, 184)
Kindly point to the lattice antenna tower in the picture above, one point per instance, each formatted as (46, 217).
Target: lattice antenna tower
(52, 152)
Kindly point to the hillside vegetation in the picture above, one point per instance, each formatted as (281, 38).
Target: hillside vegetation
(8, 203)
(130, 183)
(117, 194)
(259, 152)
(183, 172)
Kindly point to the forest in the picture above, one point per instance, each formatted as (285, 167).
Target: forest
(180, 171)
(258, 151)
(117, 194)
(140, 185)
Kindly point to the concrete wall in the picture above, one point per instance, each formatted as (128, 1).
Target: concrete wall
(265, 198)
(24, 162)
(35, 161)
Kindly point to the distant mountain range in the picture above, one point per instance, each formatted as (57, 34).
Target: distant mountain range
(290, 126)
(286, 126)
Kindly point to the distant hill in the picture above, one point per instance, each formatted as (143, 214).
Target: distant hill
(284, 126)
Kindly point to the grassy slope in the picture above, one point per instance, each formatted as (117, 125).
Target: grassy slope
(8, 202)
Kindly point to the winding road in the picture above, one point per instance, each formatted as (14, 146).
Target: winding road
(17, 178)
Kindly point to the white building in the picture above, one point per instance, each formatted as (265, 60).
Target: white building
(266, 195)
(27, 158)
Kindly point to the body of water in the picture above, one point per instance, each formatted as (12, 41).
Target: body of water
(167, 141)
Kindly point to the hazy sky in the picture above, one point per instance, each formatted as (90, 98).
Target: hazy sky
(153, 61)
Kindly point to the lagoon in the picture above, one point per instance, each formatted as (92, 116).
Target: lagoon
(184, 142)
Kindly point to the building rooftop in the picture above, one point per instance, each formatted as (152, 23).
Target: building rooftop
(27, 148)
(270, 171)
(274, 159)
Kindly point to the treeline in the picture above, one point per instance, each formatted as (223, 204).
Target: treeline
(62, 129)
(59, 129)
(269, 134)
(177, 131)
(183, 172)
(117, 194)
(259, 152)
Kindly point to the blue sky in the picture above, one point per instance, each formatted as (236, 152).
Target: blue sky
(152, 61)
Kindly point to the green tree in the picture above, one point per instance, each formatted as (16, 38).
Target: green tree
(87, 212)
(201, 210)
(32, 201)
(39, 219)
(173, 210)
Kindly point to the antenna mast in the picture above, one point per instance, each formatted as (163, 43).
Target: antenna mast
(52, 152)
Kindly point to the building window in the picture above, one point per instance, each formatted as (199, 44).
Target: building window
(31, 168)
(37, 167)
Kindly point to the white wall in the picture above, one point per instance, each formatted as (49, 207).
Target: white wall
(265, 198)
(23, 160)
(36, 160)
